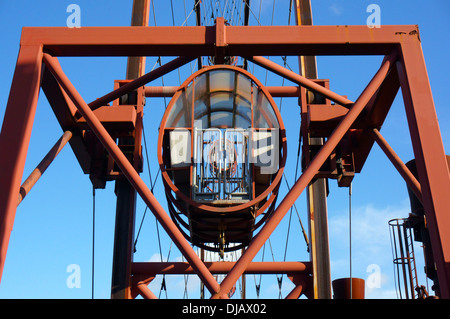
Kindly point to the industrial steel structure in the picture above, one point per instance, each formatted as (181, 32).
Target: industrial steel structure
(337, 137)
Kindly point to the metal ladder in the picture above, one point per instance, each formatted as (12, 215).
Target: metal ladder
(404, 259)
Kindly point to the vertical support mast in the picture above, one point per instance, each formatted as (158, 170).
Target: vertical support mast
(125, 192)
(316, 190)
(198, 22)
(140, 17)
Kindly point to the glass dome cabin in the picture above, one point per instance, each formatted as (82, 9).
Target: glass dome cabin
(221, 151)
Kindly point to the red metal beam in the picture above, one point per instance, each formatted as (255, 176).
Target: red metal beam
(398, 164)
(299, 272)
(174, 268)
(140, 81)
(301, 80)
(43, 165)
(141, 286)
(15, 137)
(275, 91)
(126, 194)
(374, 117)
(221, 41)
(432, 168)
(64, 111)
(318, 189)
(243, 41)
(139, 17)
(200, 41)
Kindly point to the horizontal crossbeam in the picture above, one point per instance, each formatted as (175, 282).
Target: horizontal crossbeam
(201, 40)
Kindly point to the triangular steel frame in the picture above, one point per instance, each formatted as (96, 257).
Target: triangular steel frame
(403, 66)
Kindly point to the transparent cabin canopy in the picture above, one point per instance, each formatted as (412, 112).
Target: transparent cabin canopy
(222, 98)
(222, 152)
(222, 124)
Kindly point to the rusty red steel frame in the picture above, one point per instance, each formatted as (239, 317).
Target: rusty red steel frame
(403, 67)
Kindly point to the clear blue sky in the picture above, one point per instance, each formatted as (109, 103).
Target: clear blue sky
(53, 225)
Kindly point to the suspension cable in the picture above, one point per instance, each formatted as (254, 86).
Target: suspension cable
(305, 236)
(187, 16)
(279, 279)
(151, 183)
(251, 11)
(258, 285)
(186, 280)
(163, 282)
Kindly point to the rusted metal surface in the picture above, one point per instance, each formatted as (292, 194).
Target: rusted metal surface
(141, 287)
(275, 91)
(263, 195)
(301, 80)
(126, 194)
(222, 267)
(139, 18)
(43, 165)
(298, 272)
(132, 176)
(398, 164)
(303, 286)
(140, 81)
(349, 288)
(431, 161)
(233, 221)
(248, 42)
(199, 41)
(318, 188)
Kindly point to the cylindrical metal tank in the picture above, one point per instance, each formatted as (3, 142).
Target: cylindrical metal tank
(348, 288)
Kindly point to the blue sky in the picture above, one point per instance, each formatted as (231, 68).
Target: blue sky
(53, 225)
